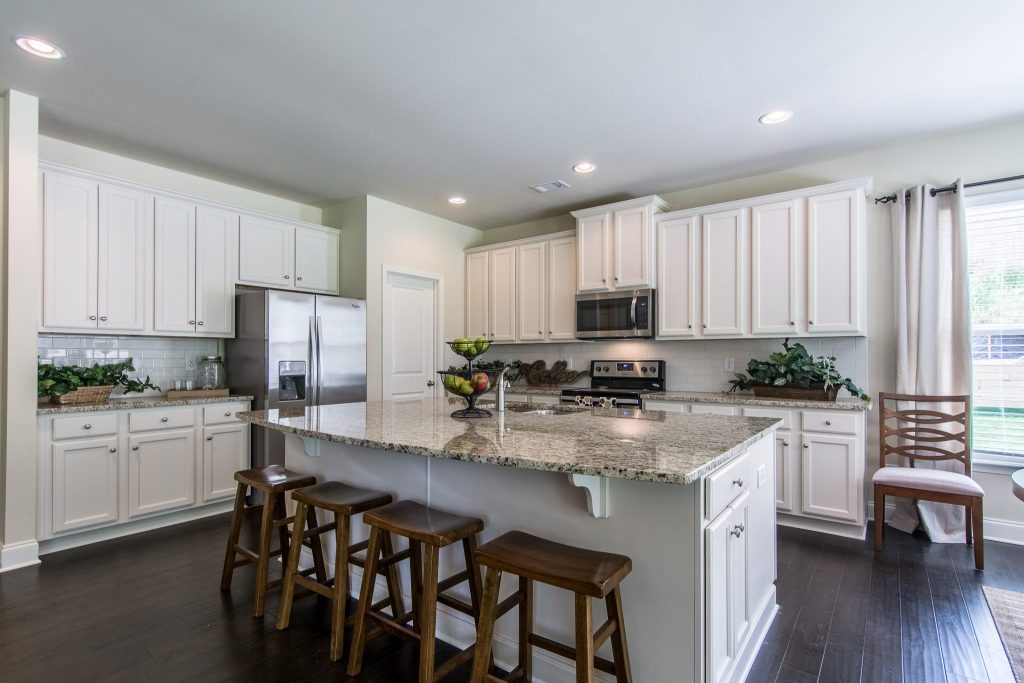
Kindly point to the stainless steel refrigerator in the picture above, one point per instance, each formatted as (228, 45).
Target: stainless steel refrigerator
(294, 350)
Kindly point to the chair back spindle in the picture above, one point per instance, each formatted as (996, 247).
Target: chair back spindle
(910, 426)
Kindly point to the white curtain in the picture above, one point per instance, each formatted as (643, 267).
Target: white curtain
(933, 326)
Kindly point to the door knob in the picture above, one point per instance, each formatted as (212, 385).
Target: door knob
(430, 382)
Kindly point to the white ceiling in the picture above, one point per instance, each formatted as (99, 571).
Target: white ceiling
(414, 101)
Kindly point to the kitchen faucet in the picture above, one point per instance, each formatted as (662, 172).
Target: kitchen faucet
(502, 384)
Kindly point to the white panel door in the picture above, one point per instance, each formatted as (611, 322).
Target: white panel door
(70, 252)
(317, 251)
(834, 226)
(501, 303)
(125, 238)
(531, 295)
(84, 483)
(775, 281)
(561, 284)
(215, 253)
(592, 238)
(410, 337)
(477, 285)
(174, 308)
(631, 248)
(828, 476)
(785, 469)
(677, 277)
(266, 252)
(718, 653)
(725, 292)
(225, 451)
(740, 609)
(160, 471)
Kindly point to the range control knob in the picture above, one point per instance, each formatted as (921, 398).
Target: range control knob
(643, 369)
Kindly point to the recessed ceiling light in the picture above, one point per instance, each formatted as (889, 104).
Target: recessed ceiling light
(38, 47)
(773, 117)
(584, 167)
(456, 200)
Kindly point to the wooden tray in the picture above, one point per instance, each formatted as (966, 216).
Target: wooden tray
(797, 393)
(85, 395)
(173, 395)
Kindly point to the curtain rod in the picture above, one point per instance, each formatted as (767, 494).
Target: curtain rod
(950, 188)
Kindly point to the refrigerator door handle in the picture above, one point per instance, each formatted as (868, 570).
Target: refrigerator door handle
(319, 359)
(314, 363)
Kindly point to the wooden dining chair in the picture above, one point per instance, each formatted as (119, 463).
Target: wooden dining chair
(917, 431)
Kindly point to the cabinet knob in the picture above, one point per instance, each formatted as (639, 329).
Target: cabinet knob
(103, 318)
(287, 277)
(807, 445)
(705, 326)
(135, 447)
(113, 449)
(689, 326)
(209, 438)
(616, 278)
(92, 317)
(792, 323)
(191, 322)
(299, 278)
(550, 332)
(87, 426)
(199, 323)
(786, 444)
(602, 280)
(828, 423)
(738, 482)
(737, 530)
(163, 419)
(227, 414)
(540, 332)
(810, 322)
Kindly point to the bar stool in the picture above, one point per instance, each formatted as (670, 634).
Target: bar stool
(428, 531)
(587, 573)
(345, 502)
(272, 481)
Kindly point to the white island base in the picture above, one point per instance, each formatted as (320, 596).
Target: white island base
(701, 595)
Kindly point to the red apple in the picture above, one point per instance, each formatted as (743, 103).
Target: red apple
(481, 382)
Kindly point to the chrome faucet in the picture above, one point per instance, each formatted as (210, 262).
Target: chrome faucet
(502, 385)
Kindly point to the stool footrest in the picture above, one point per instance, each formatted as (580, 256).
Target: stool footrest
(455, 604)
(452, 664)
(600, 663)
(453, 580)
(605, 632)
(386, 623)
(315, 586)
(508, 604)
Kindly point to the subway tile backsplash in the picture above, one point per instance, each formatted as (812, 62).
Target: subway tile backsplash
(691, 365)
(164, 359)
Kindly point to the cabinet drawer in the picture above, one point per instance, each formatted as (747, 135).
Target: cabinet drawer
(84, 425)
(222, 413)
(785, 415)
(667, 406)
(726, 485)
(160, 418)
(704, 409)
(832, 422)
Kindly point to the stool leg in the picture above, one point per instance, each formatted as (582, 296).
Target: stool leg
(342, 542)
(236, 530)
(284, 610)
(392, 578)
(355, 655)
(428, 613)
(525, 629)
(485, 627)
(316, 545)
(584, 640)
(416, 581)
(263, 562)
(620, 651)
(475, 581)
(281, 508)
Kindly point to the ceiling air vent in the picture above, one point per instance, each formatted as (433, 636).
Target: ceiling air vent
(550, 187)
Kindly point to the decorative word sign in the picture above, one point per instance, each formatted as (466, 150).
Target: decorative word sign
(537, 373)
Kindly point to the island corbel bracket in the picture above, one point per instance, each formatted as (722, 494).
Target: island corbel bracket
(598, 497)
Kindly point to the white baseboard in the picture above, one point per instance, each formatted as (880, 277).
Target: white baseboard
(1000, 530)
(822, 526)
(18, 555)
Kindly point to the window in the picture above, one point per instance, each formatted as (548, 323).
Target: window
(995, 239)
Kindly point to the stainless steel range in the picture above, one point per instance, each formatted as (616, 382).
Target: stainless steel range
(618, 383)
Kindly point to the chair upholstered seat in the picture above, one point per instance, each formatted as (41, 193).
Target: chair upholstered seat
(927, 479)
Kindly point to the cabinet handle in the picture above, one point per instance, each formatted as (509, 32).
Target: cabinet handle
(92, 317)
(616, 278)
(737, 530)
(705, 326)
(786, 444)
(103, 318)
(287, 277)
(807, 445)
(163, 419)
(87, 426)
(209, 438)
(540, 332)
(199, 323)
(113, 449)
(550, 332)
(191, 322)
(135, 447)
(810, 322)
(227, 414)
(792, 323)
(602, 280)
(828, 423)
(299, 278)
(738, 481)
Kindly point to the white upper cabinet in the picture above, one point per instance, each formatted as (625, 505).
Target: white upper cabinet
(615, 245)
(477, 289)
(836, 281)
(70, 252)
(725, 302)
(215, 253)
(677, 277)
(531, 298)
(317, 251)
(125, 229)
(561, 286)
(776, 286)
(265, 252)
(175, 266)
(501, 301)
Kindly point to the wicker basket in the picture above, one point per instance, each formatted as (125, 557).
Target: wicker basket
(798, 393)
(85, 395)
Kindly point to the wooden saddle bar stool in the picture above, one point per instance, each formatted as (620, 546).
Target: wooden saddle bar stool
(345, 502)
(920, 432)
(428, 531)
(273, 482)
(587, 573)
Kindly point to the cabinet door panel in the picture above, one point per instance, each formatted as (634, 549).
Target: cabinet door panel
(265, 252)
(592, 252)
(175, 266)
(775, 230)
(630, 251)
(316, 259)
(740, 607)
(161, 473)
(785, 468)
(477, 287)
(828, 475)
(216, 247)
(718, 653)
(125, 229)
(562, 289)
(725, 294)
(502, 291)
(70, 252)
(225, 451)
(677, 277)
(84, 483)
(835, 224)
(531, 295)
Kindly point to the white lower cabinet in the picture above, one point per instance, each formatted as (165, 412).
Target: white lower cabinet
(225, 451)
(830, 486)
(84, 491)
(160, 471)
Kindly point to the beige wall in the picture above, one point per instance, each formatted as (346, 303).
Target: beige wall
(976, 155)
(3, 297)
(350, 216)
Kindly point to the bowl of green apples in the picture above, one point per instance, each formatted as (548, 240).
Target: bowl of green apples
(469, 348)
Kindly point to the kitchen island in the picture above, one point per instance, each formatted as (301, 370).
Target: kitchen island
(689, 497)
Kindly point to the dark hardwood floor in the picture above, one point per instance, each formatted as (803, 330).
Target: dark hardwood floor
(148, 608)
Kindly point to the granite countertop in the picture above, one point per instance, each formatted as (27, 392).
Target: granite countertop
(618, 443)
(538, 390)
(47, 408)
(751, 400)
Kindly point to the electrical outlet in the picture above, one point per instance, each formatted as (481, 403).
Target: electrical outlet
(762, 476)
(729, 365)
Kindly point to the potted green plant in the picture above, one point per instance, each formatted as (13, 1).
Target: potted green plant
(76, 384)
(795, 374)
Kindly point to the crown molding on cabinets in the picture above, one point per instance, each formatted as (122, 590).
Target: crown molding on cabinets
(866, 183)
(519, 242)
(658, 203)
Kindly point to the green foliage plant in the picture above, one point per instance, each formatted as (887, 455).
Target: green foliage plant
(795, 367)
(57, 380)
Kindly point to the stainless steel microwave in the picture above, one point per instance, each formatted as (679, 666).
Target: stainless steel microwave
(626, 314)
